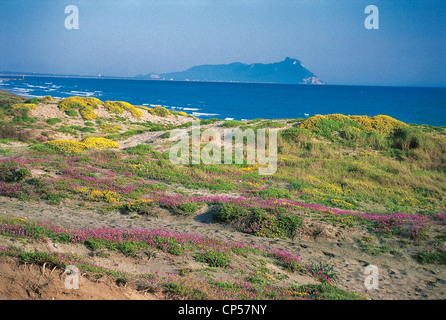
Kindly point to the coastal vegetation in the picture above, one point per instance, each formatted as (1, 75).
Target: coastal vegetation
(376, 174)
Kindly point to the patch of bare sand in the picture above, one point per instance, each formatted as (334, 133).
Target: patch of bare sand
(47, 111)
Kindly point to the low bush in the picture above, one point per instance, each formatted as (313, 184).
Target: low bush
(232, 123)
(52, 121)
(109, 128)
(39, 100)
(10, 132)
(119, 107)
(406, 138)
(140, 149)
(160, 111)
(141, 206)
(432, 256)
(214, 257)
(85, 106)
(258, 221)
(99, 143)
(272, 192)
(11, 172)
(72, 113)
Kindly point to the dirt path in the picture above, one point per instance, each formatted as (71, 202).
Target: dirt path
(142, 138)
(400, 277)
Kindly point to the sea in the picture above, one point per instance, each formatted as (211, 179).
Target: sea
(247, 101)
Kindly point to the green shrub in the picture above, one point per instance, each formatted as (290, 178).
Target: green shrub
(432, 256)
(160, 111)
(406, 138)
(66, 129)
(188, 207)
(55, 197)
(128, 248)
(377, 140)
(41, 258)
(32, 100)
(125, 135)
(209, 121)
(10, 172)
(214, 257)
(95, 244)
(288, 224)
(21, 174)
(271, 124)
(165, 135)
(87, 129)
(299, 136)
(327, 127)
(140, 149)
(36, 100)
(229, 212)
(184, 292)
(52, 121)
(9, 132)
(259, 221)
(272, 192)
(324, 272)
(44, 148)
(23, 117)
(175, 248)
(72, 112)
(232, 123)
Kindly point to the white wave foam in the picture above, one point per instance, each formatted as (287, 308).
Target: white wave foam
(39, 87)
(191, 109)
(197, 114)
(23, 90)
(82, 93)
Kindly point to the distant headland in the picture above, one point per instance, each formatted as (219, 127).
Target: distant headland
(288, 71)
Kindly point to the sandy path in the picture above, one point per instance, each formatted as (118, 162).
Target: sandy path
(142, 138)
(400, 277)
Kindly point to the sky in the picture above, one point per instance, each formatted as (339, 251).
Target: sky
(133, 37)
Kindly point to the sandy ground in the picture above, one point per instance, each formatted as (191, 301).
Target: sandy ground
(400, 277)
(31, 282)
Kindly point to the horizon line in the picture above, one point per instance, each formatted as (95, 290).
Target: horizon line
(135, 77)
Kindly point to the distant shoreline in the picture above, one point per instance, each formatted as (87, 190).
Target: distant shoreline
(206, 81)
(247, 100)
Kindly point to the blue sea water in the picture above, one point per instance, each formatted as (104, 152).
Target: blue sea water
(249, 100)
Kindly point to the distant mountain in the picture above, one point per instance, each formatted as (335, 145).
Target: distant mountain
(288, 71)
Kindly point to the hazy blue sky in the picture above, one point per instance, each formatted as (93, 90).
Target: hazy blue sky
(126, 38)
